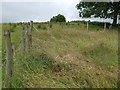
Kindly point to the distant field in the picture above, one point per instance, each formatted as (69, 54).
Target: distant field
(65, 55)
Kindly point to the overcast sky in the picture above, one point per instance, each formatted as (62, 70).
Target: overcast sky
(39, 10)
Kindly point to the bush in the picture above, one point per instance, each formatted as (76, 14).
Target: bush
(12, 30)
(8, 27)
(39, 26)
(14, 25)
(67, 23)
(50, 25)
(44, 28)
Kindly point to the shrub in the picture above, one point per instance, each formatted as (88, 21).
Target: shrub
(66, 23)
(44, 28)
(39, 26)
(50, 25)
(14, 25)
(58, 18)
(12, 30)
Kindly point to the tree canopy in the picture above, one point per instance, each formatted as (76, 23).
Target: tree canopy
(58, 18)
(99, 9)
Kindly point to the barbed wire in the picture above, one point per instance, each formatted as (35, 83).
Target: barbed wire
(19, 47)
(19, 43)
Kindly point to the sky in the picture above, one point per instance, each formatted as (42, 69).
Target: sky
(40, 10)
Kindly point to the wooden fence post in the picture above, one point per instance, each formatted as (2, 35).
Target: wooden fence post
(31, 25)
(87, 25)
(30, 34)
(9, 59)
(27, 38)
(110, 27)
(27, 33)
(23, 38)
(104, 26)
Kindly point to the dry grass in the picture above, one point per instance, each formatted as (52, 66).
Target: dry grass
(69, 56)
(80, 58)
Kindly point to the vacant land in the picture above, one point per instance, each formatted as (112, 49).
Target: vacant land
(65, 55)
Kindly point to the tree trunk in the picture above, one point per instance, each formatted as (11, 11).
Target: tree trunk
(116, 6)
(115, 20)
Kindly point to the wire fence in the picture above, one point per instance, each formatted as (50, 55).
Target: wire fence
(24, 46)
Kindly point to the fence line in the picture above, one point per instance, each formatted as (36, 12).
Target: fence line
(26, 43)
(27, 37)
(10, 49)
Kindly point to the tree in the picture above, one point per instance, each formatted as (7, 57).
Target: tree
(58, 18)
(99, 9)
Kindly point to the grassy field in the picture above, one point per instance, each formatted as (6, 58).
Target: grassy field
(65, 55)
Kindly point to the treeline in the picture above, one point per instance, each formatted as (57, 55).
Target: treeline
(96, 23)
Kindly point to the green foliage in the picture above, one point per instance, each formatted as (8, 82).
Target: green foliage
(11, 27)
(99, 9)
(50, 25)
(41, 26)
(44, 28)
(58, 18)
(14, 25)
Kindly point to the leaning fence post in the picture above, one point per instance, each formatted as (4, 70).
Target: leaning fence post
(9, 59)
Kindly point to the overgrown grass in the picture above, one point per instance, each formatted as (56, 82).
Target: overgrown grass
(15, 39)
(67, 56)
